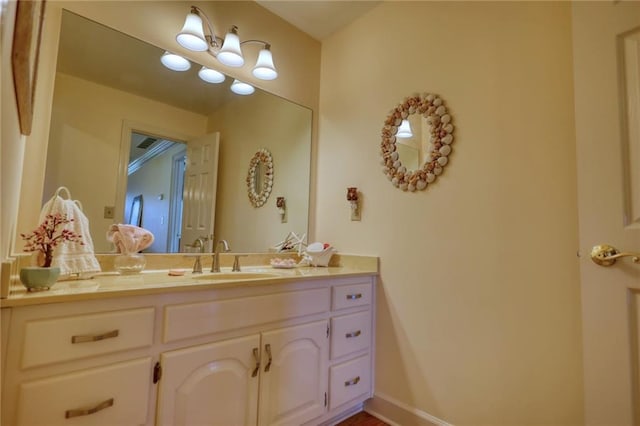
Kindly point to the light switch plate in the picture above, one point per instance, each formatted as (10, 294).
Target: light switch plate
(109, 212)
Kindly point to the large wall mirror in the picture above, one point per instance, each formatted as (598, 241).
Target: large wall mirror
(122, 126)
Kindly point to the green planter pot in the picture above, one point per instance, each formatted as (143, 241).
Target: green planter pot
(37, 278)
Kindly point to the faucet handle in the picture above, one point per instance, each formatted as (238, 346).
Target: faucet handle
(197, 265)
(236, 262)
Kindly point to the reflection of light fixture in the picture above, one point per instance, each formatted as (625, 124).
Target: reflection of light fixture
(198, 35)
(404, 131)
(241, 88)
(211, 76)
(175, 62)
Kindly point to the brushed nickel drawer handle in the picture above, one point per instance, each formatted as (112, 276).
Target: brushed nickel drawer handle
(267, 348)
(86, 412)
(353, 334)
(95, 337)
(354, 296)
(256, 356)
(352, 382)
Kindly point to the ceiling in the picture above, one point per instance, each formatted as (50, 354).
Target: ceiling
(319, 19)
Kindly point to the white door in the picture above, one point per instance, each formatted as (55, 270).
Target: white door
(213, 384)
(606, 37)
(200, 184)
(293, 382)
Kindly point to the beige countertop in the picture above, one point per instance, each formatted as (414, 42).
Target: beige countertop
(111, 284)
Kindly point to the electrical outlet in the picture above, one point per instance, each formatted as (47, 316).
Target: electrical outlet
(109, 212)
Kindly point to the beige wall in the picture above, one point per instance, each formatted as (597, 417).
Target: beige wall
(478, 311)
(297, 58)
(283, 128)
(87, 123)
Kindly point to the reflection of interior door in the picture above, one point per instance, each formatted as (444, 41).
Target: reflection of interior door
(608, 211)
(200, 182)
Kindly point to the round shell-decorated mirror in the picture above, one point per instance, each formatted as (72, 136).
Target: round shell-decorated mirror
(416, 142)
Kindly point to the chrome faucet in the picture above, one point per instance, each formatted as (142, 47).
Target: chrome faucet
(215, 265)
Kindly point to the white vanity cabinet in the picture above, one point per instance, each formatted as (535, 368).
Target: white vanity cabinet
(291, 353)
(218, 383)
(68, 364)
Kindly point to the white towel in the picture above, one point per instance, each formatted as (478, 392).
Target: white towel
(70, 257)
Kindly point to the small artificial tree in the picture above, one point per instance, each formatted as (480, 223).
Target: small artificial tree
(48, 235)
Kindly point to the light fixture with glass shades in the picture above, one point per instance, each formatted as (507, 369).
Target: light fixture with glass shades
(198, 35)
(404, 131)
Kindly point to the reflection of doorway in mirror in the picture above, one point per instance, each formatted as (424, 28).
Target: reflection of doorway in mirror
(413, 150)
(156, 170)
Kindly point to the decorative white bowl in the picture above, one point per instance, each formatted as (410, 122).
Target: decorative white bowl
(320, 258)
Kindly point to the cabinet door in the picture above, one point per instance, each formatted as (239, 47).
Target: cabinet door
(212, 384)
(293, 381)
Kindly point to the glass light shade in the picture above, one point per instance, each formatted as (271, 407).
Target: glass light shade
(211, 76)
(404, 131)
(264, 69)
(192, 35)
(240, 88)
(230, 54)
(175, 62)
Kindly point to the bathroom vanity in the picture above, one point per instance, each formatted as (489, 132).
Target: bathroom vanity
(271, 347)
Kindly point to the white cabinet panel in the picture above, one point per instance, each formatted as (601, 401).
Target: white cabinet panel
(294, 374)
(349, 296)
(198, 319)
(116, 394)
(212, 384)
(350, 333)
(54, 340)
(350, 380)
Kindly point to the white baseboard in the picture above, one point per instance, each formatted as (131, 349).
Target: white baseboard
(397, 413)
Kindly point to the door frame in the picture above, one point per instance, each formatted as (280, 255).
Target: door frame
(178, 162)
(128, 127)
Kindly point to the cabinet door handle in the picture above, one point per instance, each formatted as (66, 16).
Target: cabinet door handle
(354, 296)
(353, 334)
(94, 337)
(87, 411)
(267, 348)
(352, 382)
(256, 356)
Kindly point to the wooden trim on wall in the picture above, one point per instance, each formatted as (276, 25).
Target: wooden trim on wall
(24, 57)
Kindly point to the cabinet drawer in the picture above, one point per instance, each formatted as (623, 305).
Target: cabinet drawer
(349, 380)
(113, 395)
(350, 333)
(348, 296)
(198, 319)
(63, 339)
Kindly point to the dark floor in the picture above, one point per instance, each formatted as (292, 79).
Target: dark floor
(362, 419)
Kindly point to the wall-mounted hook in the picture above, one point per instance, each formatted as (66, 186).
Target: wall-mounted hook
(282, 209)
(354, 199)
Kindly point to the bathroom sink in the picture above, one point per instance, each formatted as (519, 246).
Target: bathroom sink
(235, 276)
